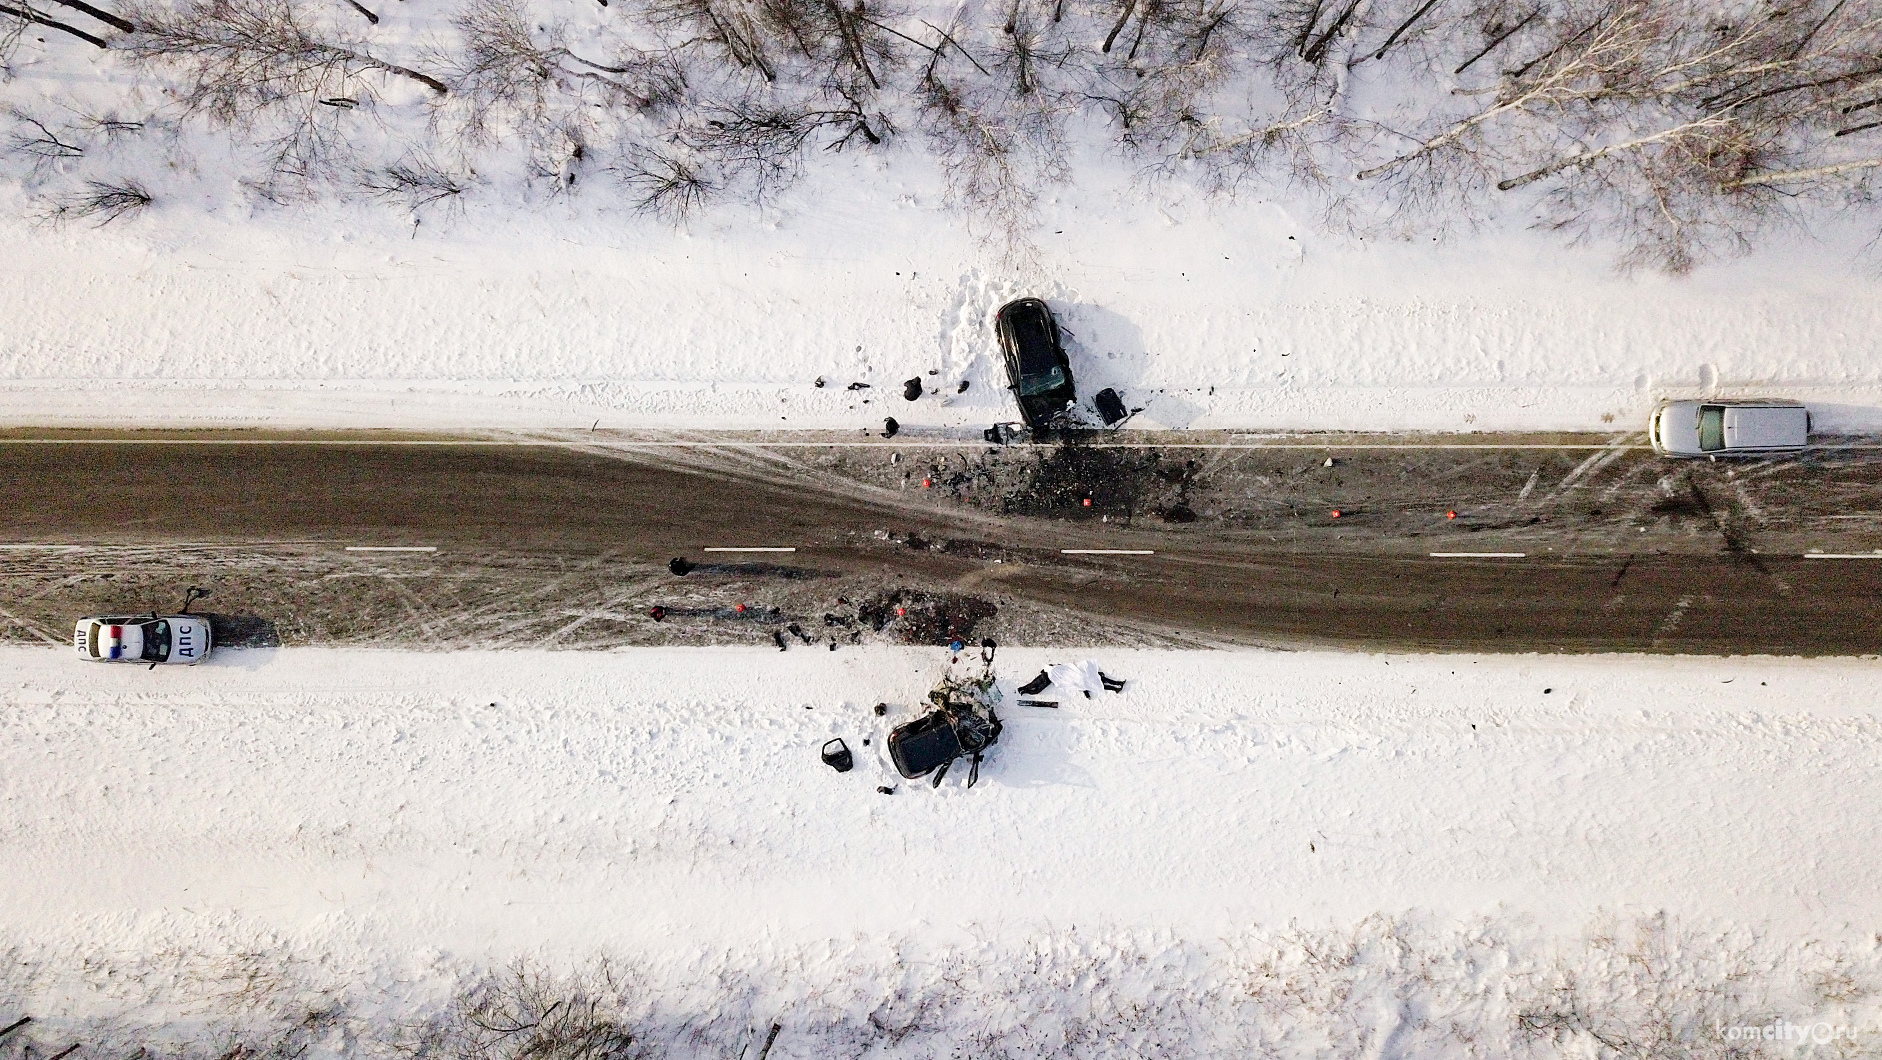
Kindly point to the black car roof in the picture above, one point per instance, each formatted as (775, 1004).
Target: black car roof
(924, 744)
(1031, 324)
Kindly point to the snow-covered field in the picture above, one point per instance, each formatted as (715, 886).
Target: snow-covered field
(1303, 852)
(312, 852)
(301, 292)
(1207, 316)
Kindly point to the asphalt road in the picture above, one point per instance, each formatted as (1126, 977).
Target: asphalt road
(566, 544)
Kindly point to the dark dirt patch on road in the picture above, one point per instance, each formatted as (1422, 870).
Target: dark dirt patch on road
(917, 617)
(1074, 481)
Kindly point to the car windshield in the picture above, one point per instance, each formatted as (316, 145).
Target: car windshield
(156, 641)
(1044, 382)
(1711, 428)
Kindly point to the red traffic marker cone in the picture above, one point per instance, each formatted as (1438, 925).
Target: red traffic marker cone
(926, 483)
(1450, 515)
(1336, 513)
(1087, 502)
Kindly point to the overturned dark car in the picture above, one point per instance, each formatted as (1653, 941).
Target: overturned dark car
(1036, 368)
(961, 725)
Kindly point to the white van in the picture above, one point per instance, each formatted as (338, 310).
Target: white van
(1728, 428)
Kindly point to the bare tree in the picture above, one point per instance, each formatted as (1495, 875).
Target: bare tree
(1646, 117)
(728, 26)
(763, 144)
(259, 65)
(15, 17)
(997, 155)
(239, 55)
(415, 182)
(559, 156)
(103, 202)
(525, 1014)
(665, 183)
(1669, 128)
(508, 69)
(13, 23)
(34, 139)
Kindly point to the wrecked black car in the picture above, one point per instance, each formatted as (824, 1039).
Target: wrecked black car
(1036, 368)
(961, 725)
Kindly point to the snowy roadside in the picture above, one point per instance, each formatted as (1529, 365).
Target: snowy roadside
(1206, 316)
(400, 817)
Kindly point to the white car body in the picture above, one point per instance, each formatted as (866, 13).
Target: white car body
(1728, 428)
(176, 639)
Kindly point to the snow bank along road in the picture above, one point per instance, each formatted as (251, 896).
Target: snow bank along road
(1206, 314)
(375, 810)
(562, 545)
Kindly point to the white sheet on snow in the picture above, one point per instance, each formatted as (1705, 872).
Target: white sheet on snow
(658, 801)
(1082, 678)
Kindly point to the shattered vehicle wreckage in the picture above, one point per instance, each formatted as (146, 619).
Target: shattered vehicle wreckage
(1039, 374)
(962, 724)
(961, 719)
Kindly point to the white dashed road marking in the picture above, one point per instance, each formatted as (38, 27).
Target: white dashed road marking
(392, 548)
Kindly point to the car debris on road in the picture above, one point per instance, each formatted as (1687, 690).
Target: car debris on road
(836, 754)
(1110, 407)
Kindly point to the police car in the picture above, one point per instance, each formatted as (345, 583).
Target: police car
(150, 639)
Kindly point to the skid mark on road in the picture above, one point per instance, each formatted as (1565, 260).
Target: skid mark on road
(30, 627)
(508, 600)
(605, 612)
(1587, 469)
(1736, 540)
(1672, 621)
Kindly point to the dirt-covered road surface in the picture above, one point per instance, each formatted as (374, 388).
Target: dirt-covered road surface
(1543, 543)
